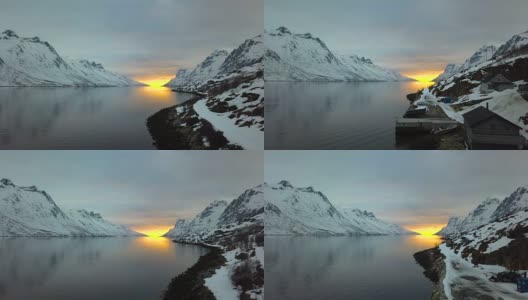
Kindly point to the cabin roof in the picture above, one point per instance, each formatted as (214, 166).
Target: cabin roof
(481, 114)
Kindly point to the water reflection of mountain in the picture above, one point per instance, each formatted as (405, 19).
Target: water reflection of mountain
(28, 113)
(30, 262)
(344, 268)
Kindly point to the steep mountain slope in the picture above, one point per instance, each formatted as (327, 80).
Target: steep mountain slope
(33, 62)
(246, 210)
(228, 112)
(236, 229)
(482, 55)
(303, 57)
(517, 201)
(191, 80)
(305, 211)
(28, 211)
(449, 71)
(478, 217)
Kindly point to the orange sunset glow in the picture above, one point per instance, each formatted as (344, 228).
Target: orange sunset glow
(424, 76)
(425, 229)
(154, 230)
(156, 80)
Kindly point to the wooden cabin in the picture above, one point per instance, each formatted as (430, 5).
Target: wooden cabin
(485, 129)
(497, 83)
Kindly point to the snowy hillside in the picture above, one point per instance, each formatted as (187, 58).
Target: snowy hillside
(246, 209)
(238, 229)
(491, 239)
(482, 55)
(469, 88)
(28, 211)
(303, 57)
(191, 80)
(228, 112)
(33, 62)
(478, 217)
(305, 211)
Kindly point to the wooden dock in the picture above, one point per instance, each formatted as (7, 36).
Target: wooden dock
(422, 125)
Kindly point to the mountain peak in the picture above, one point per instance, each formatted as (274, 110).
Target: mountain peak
(10, 34)
(283, 30)
(285, 183)
(6, 182)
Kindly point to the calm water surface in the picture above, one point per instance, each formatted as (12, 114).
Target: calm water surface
(316, 115)
(91, 268)
(80, 118)
(374, 268)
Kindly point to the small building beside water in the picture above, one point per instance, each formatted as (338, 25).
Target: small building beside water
(485, 129)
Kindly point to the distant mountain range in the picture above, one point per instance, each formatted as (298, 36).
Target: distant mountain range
(305, 211)
(33, 62)
(487, 56)
(489, 211)
(303, 57)
(28, 211)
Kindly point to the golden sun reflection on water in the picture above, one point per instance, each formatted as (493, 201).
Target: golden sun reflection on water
(424, 241)
(425, 229)
(161, 244)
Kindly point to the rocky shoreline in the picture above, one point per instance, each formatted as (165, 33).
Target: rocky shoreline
(180, 128)
(433, 262)
(191, 284)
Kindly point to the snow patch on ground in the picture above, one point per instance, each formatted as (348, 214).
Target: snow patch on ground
(220, 283)
(250, 138)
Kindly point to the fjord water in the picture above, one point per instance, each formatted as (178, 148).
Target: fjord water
(91, 268)
(375, 268)
(320, 115)
(80, 118)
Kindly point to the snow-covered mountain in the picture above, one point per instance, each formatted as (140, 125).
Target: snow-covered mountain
(482, 55)
(490, 210)
(305, 211)
(206, 70)
(220, 66)
(228, 112)
(478, 217)
(33, 62)
(303, 57)
(515, 46)
(28, 211)
(515, 202)
(449, 71)
(238, 229)
(245, 210)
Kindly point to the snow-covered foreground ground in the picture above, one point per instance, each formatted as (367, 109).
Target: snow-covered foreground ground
(249, 138)
(220, 283)
(461, 274)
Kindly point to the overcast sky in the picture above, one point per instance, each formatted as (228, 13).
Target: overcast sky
(407, 35)
(136, 188)
(136, 37)
(407, 187)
